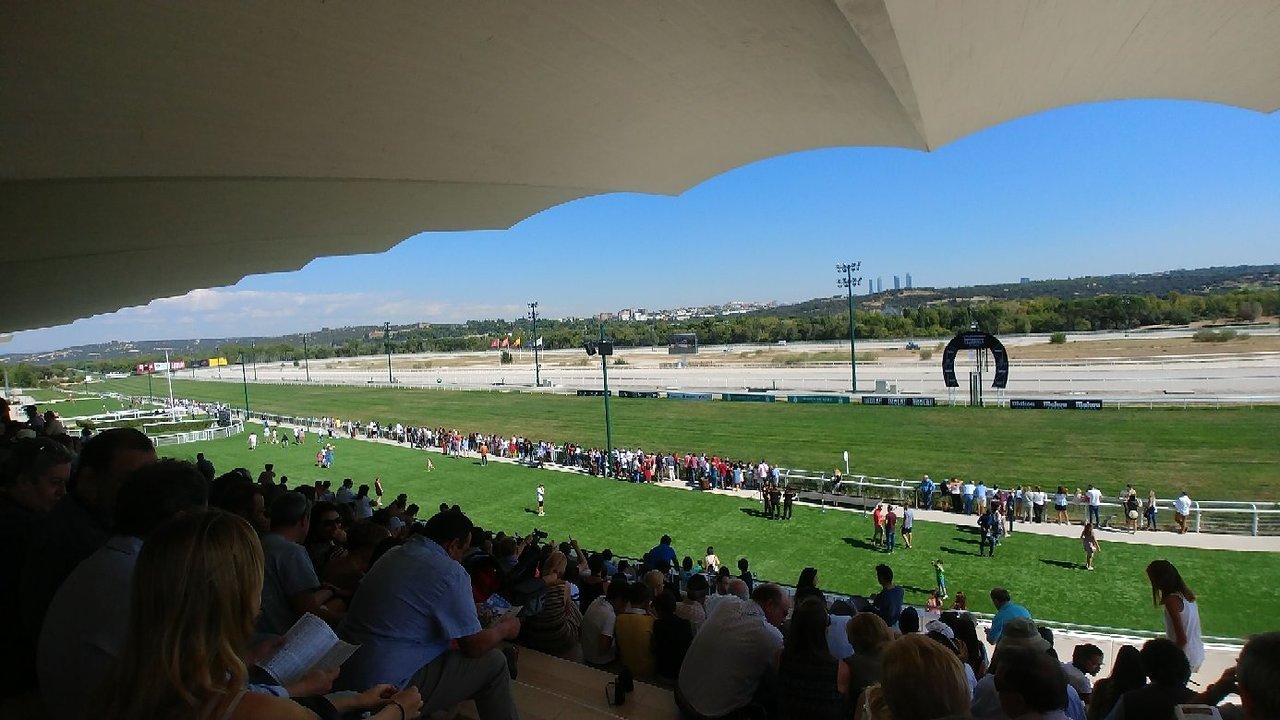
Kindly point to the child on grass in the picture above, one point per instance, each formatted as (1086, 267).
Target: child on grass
(940, 577)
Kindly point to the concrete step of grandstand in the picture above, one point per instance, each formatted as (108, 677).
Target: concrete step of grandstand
(549, 688)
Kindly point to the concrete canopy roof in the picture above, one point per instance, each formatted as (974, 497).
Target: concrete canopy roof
(149, 148)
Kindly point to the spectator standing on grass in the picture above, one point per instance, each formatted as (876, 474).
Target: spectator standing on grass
(1182, 511)
(989, 525)
(1181, 614)
(966, 493)
(877, 521)
(1060, 505)
(1038, 499)
(890, 529)
(908, 520)
(1091, 546)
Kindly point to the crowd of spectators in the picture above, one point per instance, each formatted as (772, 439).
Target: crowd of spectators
(156, 588)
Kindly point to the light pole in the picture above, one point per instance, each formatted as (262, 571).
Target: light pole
(605, 349)
(306, 363)
(244, 381)
(253, 348)
(168, 371)
(849, 282)
(537, 341)
(386, 339)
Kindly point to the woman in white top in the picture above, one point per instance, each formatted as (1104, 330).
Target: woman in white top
(711, 562)
(1181, 615)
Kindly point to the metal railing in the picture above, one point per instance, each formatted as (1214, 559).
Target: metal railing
(216, 433)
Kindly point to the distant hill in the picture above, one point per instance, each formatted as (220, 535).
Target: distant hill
(923, 306)
(1203, 281)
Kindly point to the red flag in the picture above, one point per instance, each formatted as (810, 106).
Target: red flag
(506, 342)
(493, 344)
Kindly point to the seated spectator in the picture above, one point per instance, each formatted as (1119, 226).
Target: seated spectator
(729, 666)
(812, 685)
(973, 652)
(1086, 660)
(85, 626)
(745, 575)
(326, 538)
(888, 602)
(909, 621)
(1169, 671)
(692, 607)
(838, 630)
(236, 494)
(634, 631)
(869, 635)
(195, 590)
(1127, 674)
(593, 582)
(72, 531)
(807, 585)
(363, 504)
(413, 604)
(1020, 634)
(737, 593)
(672, 636)
(922, 680)
(722, 581)
(598, 623)
(291, 586)
(556, 629)
(1030, 684)
(1255, 677)
(346, 572)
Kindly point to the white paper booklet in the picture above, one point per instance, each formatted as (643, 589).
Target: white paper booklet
(308, 645)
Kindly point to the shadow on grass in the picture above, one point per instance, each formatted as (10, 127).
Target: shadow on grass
(1062, 564)
(753, 512)
(955, 551)
(863, 544)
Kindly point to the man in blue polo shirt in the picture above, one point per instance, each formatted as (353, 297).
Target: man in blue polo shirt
(663, 556)
(1006, 610)
(413, 602)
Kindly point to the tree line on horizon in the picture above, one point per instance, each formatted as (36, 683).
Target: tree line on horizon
(934, 320)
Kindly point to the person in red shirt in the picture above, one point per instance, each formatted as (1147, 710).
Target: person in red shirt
(890, 528)
(877, 517)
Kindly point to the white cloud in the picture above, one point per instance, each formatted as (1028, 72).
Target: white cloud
(231, 312)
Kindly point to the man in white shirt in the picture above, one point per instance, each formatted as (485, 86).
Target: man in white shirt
(1182, 510)
(1094, 496)
(729, 662)
(598, 644)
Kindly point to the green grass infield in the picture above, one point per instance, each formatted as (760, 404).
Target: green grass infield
(1228, 454)
(1237, 590)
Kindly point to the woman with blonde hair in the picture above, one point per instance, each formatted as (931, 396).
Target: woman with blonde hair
(869, 635)
(902, 695)
(197, 591)
(557, 627)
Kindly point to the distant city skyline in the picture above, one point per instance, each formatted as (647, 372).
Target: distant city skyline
(1102, 189)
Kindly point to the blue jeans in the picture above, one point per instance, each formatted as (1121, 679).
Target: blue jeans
(968, 504)
(888, 539)
(926, 500)
(1095, 515)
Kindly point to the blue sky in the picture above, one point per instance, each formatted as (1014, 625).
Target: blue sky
(1133, 186)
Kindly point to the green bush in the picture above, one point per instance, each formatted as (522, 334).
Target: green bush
(619, 361)
(1211, 335)
(926, 354)
(1058, 338)
(506, 358)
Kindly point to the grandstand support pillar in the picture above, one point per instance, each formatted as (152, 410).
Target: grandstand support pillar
(608, 424)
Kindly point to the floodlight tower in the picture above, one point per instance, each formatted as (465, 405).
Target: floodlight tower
(849, 282)
(537, 342)
(306, 362)
(386, 340)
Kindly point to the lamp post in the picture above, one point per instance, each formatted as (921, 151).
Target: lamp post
(605, 349)
(244, 381)
(168, 372)
(537, 341)
(849, 282)
(253, 347)
(386, 339)
(306, 362)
